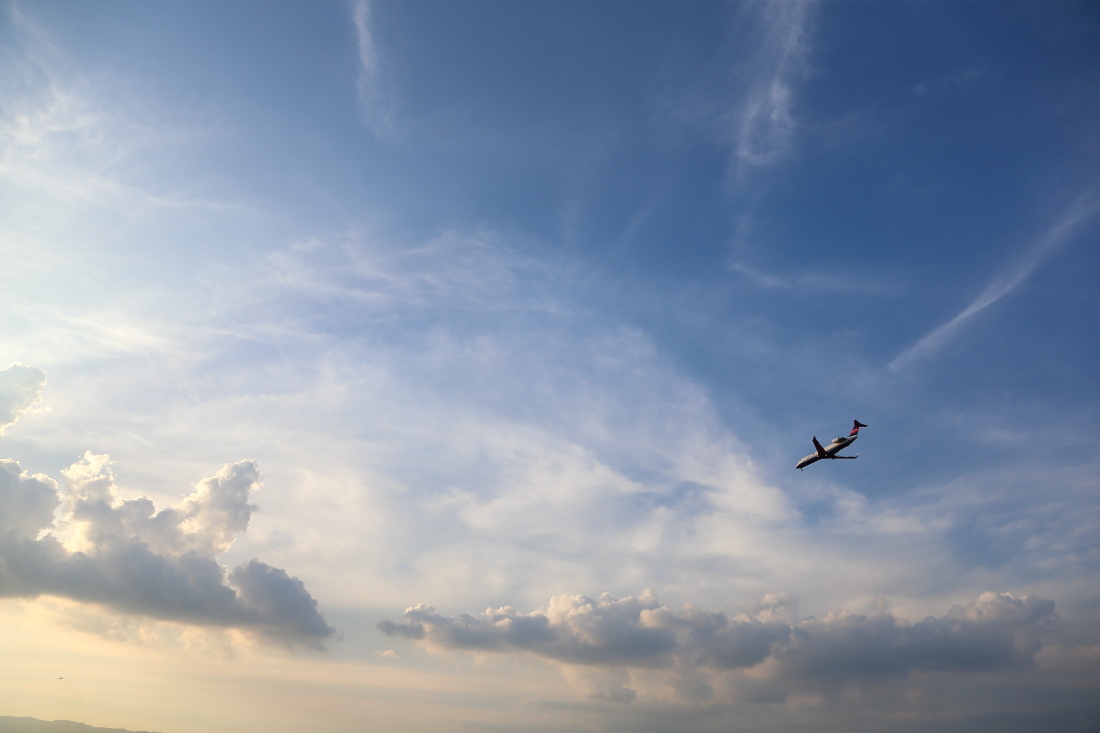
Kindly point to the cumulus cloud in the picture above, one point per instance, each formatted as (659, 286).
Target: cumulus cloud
(126, 555)
(572, 629)
(21, 387)
(996, 632)
(206, 522)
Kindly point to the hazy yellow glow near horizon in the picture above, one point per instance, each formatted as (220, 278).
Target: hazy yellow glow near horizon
(177, 679)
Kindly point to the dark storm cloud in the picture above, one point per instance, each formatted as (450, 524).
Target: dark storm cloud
(997, 632)
(131, 558)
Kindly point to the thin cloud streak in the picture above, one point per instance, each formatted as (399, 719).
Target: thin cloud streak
(370, 96)
(814, 282)
(1055, 238)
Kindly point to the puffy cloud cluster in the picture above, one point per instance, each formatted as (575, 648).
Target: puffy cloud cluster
(206, 522)
(126, 555)
(20, 387)
(572, 629)
(997, 632)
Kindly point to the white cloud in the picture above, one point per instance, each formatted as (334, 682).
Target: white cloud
(21, 388)
(697, 649)
(206, 522)
(808, 282)
(765, 125)
(453, 269)
(27, 503)
(459, 419)
(376, 108)
(57, 143)
(88, 141)
(125, 555)
(745, 98)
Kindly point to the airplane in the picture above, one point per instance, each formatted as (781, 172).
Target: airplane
(835, 447)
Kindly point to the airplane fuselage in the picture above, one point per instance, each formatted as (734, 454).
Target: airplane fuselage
(831, 451)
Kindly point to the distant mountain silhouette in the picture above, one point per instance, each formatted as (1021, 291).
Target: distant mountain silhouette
(33, 725)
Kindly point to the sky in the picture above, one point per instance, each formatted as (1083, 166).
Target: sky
(443, 366)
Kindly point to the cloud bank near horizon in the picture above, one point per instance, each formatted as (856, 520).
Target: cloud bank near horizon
(997, 632)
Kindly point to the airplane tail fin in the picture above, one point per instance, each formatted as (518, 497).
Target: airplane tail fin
(856, 425)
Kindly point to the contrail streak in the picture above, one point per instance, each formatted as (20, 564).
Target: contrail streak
(1055, 238)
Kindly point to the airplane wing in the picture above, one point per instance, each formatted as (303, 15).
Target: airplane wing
(820, 451)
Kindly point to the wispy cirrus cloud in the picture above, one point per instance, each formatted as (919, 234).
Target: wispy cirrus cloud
(1045, 246)
(453, 269)
(814, 282)
(369, 86)
(745, 97)
(764, 124)
(88, 140)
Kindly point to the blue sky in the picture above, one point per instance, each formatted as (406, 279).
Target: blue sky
(318, 312)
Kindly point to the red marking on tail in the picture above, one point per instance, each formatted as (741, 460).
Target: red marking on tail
(856, 425)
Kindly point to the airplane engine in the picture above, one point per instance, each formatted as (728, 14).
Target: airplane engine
(838, 440)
